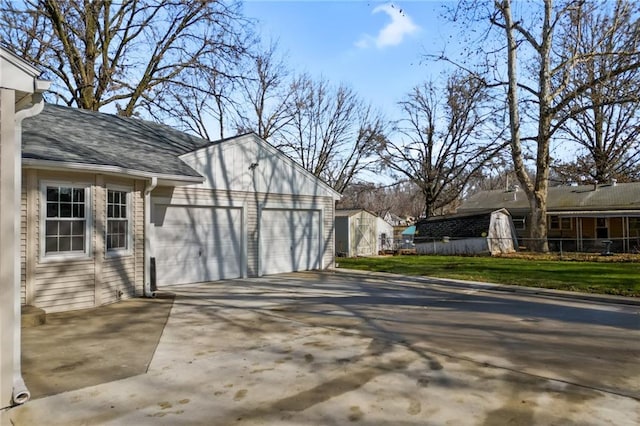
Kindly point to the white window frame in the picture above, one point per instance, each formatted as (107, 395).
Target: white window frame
(119, 251)
(54, 256)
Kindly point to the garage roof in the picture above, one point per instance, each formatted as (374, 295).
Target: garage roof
(71, 136)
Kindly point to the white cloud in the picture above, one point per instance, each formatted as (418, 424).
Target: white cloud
(394, 32)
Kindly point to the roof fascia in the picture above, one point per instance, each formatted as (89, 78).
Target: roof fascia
(19, 63)
(168, 180)
(595, 213)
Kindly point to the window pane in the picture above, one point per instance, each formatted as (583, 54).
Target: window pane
(52, 209)
(77, 228)
(123, 211)
(51, 228)
(51, 244)
(109, 196)
(109, 211)
(65, 228)
(77, 243)
(65, 210)
(52, 194)
(65, 243)
(65, 195)
(78, 195)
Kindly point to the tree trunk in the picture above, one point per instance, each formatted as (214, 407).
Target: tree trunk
(538, 229)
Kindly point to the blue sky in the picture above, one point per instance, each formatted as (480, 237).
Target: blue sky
(377, 48)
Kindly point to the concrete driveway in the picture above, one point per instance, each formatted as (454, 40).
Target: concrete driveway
(337, 348)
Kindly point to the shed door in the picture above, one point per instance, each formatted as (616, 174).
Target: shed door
(290, 241)
(195, 244)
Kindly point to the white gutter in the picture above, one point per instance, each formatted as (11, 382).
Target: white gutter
(151, 185)
(20, 393)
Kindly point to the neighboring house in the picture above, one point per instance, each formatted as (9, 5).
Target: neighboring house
(103, 195)
(477, 233)
(20, 97)
(356, 233)
(580, 218)
(395, 220)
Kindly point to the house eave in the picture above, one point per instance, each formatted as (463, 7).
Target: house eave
(594, 213)
(163, 179)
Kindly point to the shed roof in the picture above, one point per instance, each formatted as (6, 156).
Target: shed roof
(73, 136)
(621, 196)
(454, 226)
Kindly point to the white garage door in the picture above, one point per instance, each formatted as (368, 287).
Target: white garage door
(290, 240)
(195, 244)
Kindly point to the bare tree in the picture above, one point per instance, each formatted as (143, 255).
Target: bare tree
(606, 123)
(543, 99)
(333, 133)
(443, 141)
(402, 198)
(124, 53)
(266, 91)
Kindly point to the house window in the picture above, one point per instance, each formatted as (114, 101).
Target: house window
(602, 228)
(118, 220)
(519, 223)
(65, 219)
(559, 223)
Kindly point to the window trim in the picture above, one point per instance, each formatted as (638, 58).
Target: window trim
(88, 217)
(560, 219)
(119, 251)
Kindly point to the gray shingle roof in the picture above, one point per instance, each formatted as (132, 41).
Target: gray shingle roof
(71, 135)
(622, 196)
(453, 226)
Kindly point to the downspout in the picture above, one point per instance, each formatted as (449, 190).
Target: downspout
(20, 394)
(151, 185)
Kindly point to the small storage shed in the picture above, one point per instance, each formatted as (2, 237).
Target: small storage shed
(491, 232)
(384, 232)
(356, 233)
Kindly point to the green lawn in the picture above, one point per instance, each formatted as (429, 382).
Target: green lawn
(620, 278)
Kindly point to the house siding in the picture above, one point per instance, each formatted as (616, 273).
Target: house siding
(68, 284)
(251, 203)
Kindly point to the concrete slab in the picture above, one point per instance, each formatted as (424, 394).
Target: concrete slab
(329, 349)
(73, 350)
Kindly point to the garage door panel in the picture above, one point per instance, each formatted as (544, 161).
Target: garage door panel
(290, 240)
(195, 244)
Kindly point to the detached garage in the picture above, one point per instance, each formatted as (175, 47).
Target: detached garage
(103, 195)
(257, 212)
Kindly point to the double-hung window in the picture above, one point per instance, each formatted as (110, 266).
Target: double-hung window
(66, 211)
(118, 220)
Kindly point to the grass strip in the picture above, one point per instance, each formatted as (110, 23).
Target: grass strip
(616, 278)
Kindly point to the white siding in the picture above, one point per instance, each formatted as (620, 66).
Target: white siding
(61, 285)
